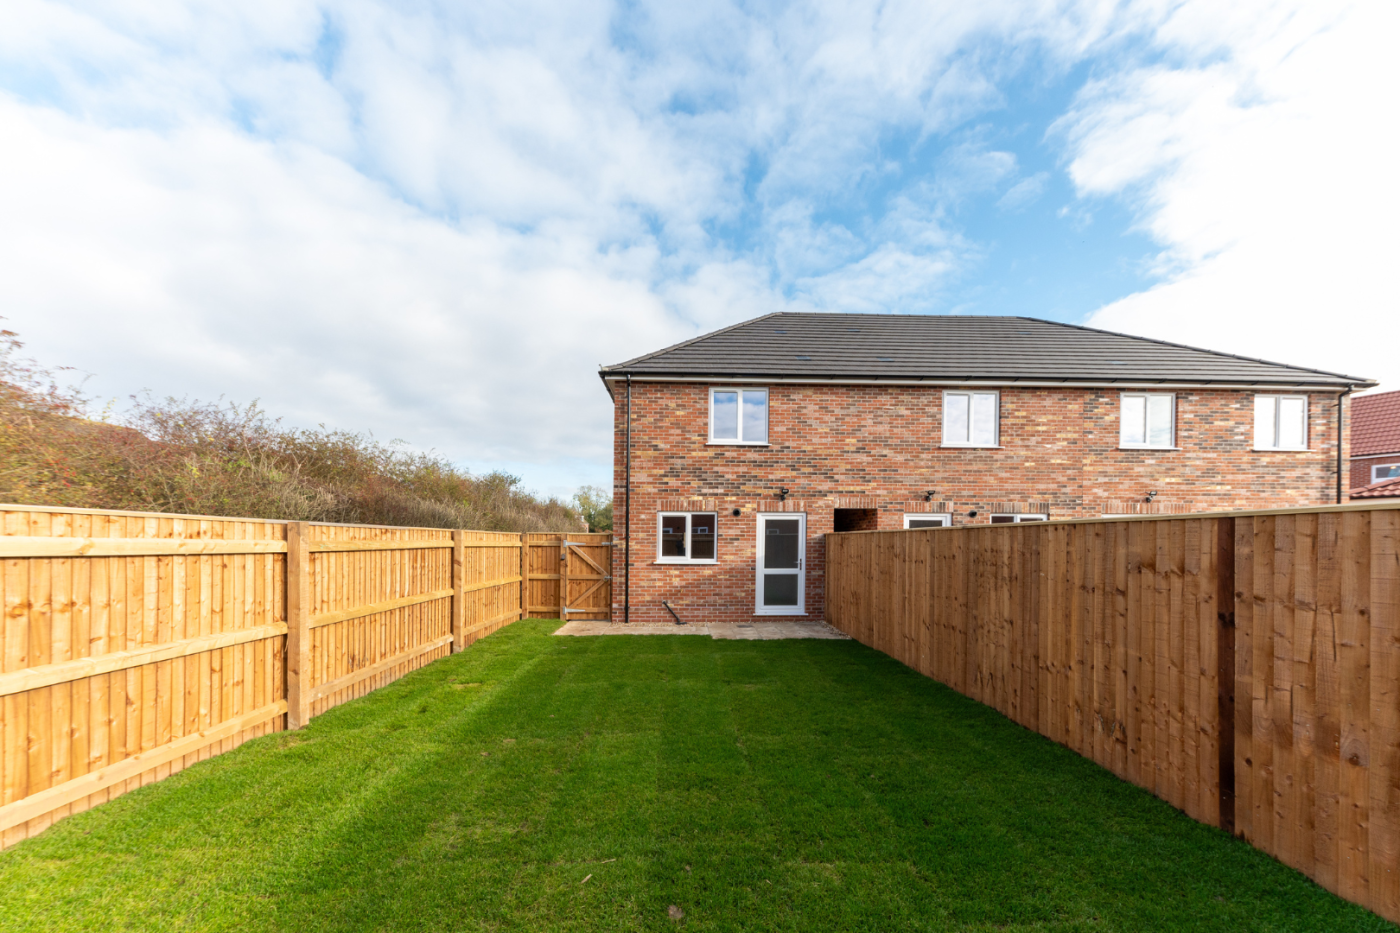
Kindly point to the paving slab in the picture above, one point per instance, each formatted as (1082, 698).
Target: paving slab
(757, 631)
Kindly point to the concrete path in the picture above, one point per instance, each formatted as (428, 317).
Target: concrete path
(758, 631)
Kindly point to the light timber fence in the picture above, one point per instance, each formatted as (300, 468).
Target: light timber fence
(133, 645)
(1244, 667)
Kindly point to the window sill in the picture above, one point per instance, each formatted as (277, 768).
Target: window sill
(1136, 447)
(1281, 450)
(778, 612)
(737, 444)
(971, 446)
(675, 562)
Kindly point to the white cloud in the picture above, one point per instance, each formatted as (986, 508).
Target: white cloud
(434, 222)
(1024, 193)
(1264, 167)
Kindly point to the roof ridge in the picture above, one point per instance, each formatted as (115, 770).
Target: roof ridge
(686, 343)
(1187, 346)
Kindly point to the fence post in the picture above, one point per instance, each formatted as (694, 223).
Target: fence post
(1225, 667)
(564, 577)
(298, 619)
(524, 579)
(459, 598)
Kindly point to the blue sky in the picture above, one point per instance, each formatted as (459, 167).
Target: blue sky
(434, 221)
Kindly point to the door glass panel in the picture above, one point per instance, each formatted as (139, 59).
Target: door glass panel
(673, 536)
(779, 589)
(780, 544)
(702, 537)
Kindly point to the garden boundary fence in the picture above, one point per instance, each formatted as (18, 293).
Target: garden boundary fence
(1244, 666)
(133, 645)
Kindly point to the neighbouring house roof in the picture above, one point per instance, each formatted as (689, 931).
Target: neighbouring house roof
(955, 348)
(1379, 490)
(1375, 424)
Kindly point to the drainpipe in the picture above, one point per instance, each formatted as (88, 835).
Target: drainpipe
(1340, 397)
(627, 517)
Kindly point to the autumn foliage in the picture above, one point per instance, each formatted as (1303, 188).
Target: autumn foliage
(192, 457)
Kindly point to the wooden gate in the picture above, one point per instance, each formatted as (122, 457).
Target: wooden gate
(569, 576)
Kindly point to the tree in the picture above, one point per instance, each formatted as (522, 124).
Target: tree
(595, 505)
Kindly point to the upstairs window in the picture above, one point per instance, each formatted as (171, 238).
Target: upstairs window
(1280, 422)
(1148, 420)
(738, 416)
(970, 419)
(1384, 471)
(686, 538)
(1018, 517)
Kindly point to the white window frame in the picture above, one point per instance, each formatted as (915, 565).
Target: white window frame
(946, 516)
(1018, 517)
(688, 549)
(1147, 430)
(1381, 466)
(996, 418)
(740, 442)
(1277, 399)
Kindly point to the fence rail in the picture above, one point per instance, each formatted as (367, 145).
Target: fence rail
(1243, 667)
(133, 645)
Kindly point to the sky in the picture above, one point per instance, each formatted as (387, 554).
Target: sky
(434, 222)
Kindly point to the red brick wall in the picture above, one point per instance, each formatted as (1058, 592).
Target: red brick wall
(879, 447)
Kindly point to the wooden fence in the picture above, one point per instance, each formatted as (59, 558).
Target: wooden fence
(1131, 640)
(134, 645)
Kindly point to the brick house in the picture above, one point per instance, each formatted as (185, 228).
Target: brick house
(1375, 446)
(738, 450)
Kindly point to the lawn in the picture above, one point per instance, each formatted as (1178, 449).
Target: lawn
(538, 783)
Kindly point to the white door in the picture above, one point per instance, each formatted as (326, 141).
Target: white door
(782, 552)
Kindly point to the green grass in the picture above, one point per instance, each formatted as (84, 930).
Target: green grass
(787, 785)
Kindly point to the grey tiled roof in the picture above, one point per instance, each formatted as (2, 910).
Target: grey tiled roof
(954, 347)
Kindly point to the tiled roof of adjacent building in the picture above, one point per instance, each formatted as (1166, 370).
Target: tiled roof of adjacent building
(1375, 424)
(954, 348)
(1383, 489)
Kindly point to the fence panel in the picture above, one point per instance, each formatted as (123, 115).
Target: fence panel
(1244, 667)
(492, 582)
(381, 606)
(133, 645)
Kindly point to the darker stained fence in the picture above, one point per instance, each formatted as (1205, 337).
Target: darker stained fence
(1244, 667)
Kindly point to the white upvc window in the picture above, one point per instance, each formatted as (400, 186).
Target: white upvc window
(1148, 421)
(1019, 517)
(927, 519)
(1280, 422)
(686, 537)
(970, 419)
(738, 416)
(1380, 471)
